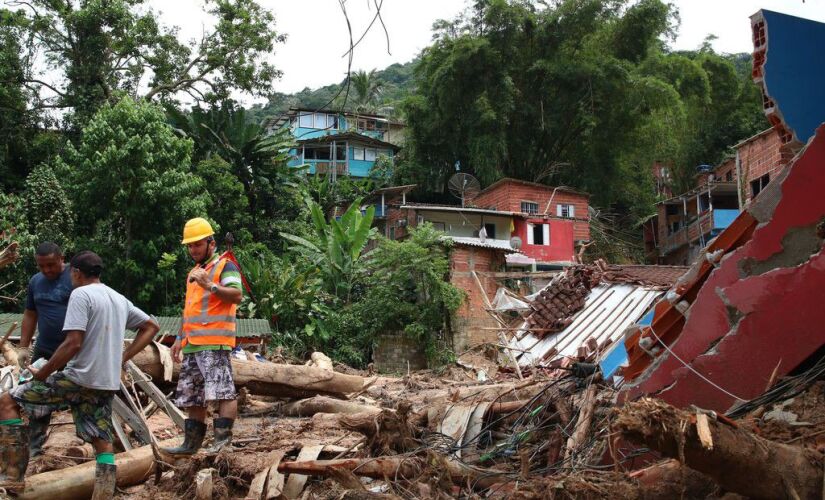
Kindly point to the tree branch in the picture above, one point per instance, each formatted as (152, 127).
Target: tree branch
(41, 82)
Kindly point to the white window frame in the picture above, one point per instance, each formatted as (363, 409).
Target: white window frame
(570, 209)
(523, 202)
(370, 152)
(309, 120)
(357, 152)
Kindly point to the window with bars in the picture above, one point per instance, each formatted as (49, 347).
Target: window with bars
(529, 207)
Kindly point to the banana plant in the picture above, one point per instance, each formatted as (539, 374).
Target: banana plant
(338, 245)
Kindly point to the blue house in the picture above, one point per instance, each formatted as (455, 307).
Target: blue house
(338, 142)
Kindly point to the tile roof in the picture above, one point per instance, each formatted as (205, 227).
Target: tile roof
(657, 276)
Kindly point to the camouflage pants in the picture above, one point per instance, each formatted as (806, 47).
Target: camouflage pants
(91, 408)
(205, 376)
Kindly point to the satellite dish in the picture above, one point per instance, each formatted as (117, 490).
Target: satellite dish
(515, 243)
(464, 186)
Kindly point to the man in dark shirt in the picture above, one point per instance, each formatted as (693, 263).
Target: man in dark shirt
(46, 301)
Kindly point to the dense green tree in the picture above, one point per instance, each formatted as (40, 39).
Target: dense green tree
(258, 161)
(15, 227)
(132, 186)
(228, 205)
(406, 290)
(16, 121)
(581, 93)
(104, 48)
(48, 209)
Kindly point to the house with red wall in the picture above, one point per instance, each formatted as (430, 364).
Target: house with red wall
(549, 221)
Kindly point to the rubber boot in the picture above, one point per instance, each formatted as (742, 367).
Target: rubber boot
(14, 456)
(223, 435)
(105, 482)
(193, 434)
(38, 429)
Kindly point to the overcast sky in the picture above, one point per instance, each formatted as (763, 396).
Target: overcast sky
(317, 33)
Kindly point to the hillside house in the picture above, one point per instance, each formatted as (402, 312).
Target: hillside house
(511, 224)
(549, 221)
(684, 224)
(339, 142)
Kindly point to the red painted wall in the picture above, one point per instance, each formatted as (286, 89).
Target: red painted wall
(508, 194)
(561, 240)
(760, 310)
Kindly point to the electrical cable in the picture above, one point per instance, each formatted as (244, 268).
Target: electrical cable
(686, 365)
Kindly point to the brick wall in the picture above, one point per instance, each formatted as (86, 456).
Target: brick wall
(508, 194)
(471, 319)
(395, 214)
(393, 352)
(762, 155)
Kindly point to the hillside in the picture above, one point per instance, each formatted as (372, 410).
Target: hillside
(393, 83)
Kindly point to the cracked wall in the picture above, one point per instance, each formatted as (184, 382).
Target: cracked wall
(761, 307)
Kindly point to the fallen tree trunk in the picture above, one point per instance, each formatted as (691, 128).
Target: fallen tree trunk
(78, 482)
(322, 404)
(376, 468)
(736, 459)
(409, 468)
(268, 379)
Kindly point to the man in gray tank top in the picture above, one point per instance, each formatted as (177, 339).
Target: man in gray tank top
(91, 358)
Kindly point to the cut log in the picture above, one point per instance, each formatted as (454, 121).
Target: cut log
(739, 461)
(269, 379)
(319, 360)
(8, 352)
(323, 404)
(133, 467)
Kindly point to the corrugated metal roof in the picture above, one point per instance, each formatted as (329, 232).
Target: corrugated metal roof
(452, 208)
(246, 328)
(487, 243)
(609, 309)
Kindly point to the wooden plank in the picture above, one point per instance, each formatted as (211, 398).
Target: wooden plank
(121, 434)
(519, 274)
(454, 424)
(145, 383)
(471, 435)
(126, 415)
(295, 482)
(259, 483)
(275, 480)
(510, 355)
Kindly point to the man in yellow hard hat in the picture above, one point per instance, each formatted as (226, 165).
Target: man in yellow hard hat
(207, 337)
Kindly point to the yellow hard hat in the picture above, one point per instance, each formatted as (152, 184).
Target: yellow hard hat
(196, 229)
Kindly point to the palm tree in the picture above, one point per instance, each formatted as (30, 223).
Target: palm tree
(368, 90)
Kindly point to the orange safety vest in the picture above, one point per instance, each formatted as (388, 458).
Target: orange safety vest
(207, 320)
